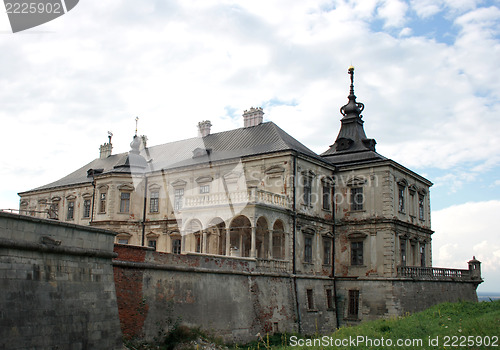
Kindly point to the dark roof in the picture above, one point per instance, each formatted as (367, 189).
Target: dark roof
(243, 142)
(352, 146)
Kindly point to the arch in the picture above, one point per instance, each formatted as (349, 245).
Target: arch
(240, 233)
(193, 236)
(278, 240)
(216, 237)
(262, 238)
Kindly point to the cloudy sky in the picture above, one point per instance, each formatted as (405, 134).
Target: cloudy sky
(427, 71)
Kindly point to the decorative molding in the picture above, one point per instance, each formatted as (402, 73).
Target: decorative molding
(204, 179)
(126, 187)
(178, 183)
(356, 235)
(356, 181)
(274, 170)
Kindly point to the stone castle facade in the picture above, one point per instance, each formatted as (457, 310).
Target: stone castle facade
(353, 223)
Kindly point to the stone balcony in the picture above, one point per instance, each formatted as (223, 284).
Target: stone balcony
(272, 265)
(435, 273)
(249, 196)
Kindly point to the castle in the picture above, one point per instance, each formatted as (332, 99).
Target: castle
(349, 226)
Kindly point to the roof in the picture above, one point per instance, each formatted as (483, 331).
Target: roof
(238, 143)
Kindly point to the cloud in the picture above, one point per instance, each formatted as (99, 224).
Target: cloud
(466, 230)
(174, 64)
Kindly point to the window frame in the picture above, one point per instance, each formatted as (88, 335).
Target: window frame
(326, 197)
(327, 251)
(421, 207)
(310, 299)
(354, 193)
(308, 248)
(125, 202)
(102, 202)
(178, 198)
(357, 253)
(204, 189)
(401, 198)
(152, 243)
(154, 202)
(353, 306)
(87, 206)
(329, 299)
(307, 189)
(70, 214)
(176, 248)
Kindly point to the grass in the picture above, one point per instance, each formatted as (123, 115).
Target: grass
(450, 326)
(462, 325)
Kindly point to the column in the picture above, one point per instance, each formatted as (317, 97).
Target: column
(228, 240)
(204, 242)
(252, 249)
(270, 253)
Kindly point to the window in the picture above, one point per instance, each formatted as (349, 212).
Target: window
(402, 243)
(327, 251)
(204, 189)
(414, 253)
(124, 202)
(308, 249)
(53, 211)
(307, 190)
(86, 208)
(421, 212)
(401, 199)
(178, 196)
(310, 299)
(71, 210)
(353, 308)
(122, 240)
(154, 202)
(102, 203)
(176, 246)
(356, 253)
(357, 198)
(422, 255)
(152, 243)
(326, 197)
(329, 299)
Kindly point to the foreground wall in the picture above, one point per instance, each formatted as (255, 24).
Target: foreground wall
(56, 286)
(399, 296)
(228, 297)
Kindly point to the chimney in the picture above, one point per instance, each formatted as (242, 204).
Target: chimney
(204, 128)
(105, 149)
(253, 117)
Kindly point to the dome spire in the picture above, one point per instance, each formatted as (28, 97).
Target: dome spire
(352, 109)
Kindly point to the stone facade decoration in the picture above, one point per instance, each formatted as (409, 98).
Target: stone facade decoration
(348, 215)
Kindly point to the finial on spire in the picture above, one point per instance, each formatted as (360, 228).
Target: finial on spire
(350, 71)
(352, 108)
(136, 120)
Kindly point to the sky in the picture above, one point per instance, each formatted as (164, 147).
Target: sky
(427, 71)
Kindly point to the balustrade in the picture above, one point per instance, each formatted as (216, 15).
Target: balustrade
(433, 273)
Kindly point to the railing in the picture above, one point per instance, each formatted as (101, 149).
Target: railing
(238, 197)
(272, 265)
(433, 273)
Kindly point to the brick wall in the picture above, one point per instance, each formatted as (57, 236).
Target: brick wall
(228, 297)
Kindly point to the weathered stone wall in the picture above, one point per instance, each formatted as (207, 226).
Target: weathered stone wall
(229, 297)
(57, 289)
(398, 296)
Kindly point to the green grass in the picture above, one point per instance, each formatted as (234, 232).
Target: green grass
(462, 325)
